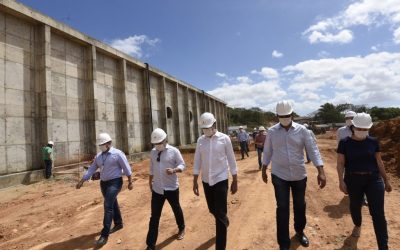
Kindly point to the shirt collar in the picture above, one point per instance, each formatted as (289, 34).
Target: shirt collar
(294, 125)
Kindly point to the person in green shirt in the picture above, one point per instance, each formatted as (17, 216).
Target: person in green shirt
(47, 154)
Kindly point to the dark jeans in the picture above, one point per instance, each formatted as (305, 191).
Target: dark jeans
(282, 196)
(157, 203)
(48, 165)
(260, 152)
(244, 148)
(110, 190)
(217, 196)
(372, 186)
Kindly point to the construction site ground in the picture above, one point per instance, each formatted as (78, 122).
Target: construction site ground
(54, 215)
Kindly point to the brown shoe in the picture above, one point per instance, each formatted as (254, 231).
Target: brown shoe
(181, 234)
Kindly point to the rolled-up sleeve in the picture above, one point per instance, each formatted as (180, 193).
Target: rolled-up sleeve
(123, 162)
(312, 149)
(93, 167)
(151, 164)
(267, 149)
(180, 163)
(230, 155)
(197, 160)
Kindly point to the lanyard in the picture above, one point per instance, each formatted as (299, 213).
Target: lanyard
(104, 159)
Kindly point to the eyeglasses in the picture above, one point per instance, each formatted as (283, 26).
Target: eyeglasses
(284, 116)
(158, 157)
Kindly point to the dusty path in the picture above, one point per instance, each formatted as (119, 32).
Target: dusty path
(53, 215)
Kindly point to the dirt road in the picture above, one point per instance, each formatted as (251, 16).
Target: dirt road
(54, 215)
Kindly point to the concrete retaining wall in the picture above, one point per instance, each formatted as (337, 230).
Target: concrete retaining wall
(59, 84)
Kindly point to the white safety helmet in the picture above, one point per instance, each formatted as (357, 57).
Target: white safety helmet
(207, 120)
(50, 143)
(362, 120)
(261, 128)
(284, 108)
(350, 114)
(158, 135)
(240, 127)
(255, 129)
(305, 125)
(103, 138)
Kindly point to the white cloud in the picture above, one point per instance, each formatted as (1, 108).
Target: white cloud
(374, 48)
(323, 54)
(133, 45)
(277, 54)
(361, 12)
(266, 72)
(373, 80)
(223, 75)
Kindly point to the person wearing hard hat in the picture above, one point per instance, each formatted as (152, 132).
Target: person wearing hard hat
(112, 164)
(243, 139)
(165, 162)
(47, 155)
(214, 156)
(345, 131)
(284, 147)
(361, 171)
(259, 142)
(255, 132)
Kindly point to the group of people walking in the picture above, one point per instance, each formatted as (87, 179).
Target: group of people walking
(359, 166)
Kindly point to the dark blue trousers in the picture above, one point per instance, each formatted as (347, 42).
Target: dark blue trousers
(110, 190)
(373, 187)
(282, 196)
(48, 165)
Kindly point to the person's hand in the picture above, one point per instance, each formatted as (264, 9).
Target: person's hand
(130, 185)
(196, 188)
(264, 174)
(234, 187)
(343, 187)
(321, 180)
(170, 171)
(79, 184)
(388, 187)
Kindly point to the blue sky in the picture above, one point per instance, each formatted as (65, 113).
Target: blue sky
(255, 53)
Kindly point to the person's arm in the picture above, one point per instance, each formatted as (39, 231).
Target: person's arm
(230, 155)
(196, 169)
(340, 170)
(315, 156)
(180, 163)
(123, 162)
(151, 182)
(267, 155)
(382, 171)
(93, 167)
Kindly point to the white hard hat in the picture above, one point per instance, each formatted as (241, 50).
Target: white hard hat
(261, 128)
(284, 108)
(305, 125)
(362, 120)
(207, 120)
(350, 114)
(50, 143)
(158, 135)
(240, 127)
(103, 138)
(255, 129)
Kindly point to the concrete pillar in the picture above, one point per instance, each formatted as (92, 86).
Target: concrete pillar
(186, 123)
(163, 106)
(176, 117)
(89, 101)
(196, 116)
(125, 109)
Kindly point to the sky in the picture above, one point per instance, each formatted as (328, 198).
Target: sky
(254, 53)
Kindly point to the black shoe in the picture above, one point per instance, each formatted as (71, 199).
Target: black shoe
(302, 238)
(116, 228)
(101, 241)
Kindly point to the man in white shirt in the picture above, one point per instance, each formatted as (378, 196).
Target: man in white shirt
(165, 162)
(214, 157)
(345, 131)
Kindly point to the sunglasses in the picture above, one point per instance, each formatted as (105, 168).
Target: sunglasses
(284, 116)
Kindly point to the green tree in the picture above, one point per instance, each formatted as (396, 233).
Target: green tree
(328, 113)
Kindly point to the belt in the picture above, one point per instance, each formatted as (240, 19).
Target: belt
(360, 173)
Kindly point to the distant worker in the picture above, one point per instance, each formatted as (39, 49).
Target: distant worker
(284, 146)
(214, 157)
(259, 142)
(243, 139)
(314, 138)
(361, 172)
(47, 155)
(345, 131)
(112, 164)
(165, 162)
(255, 132)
